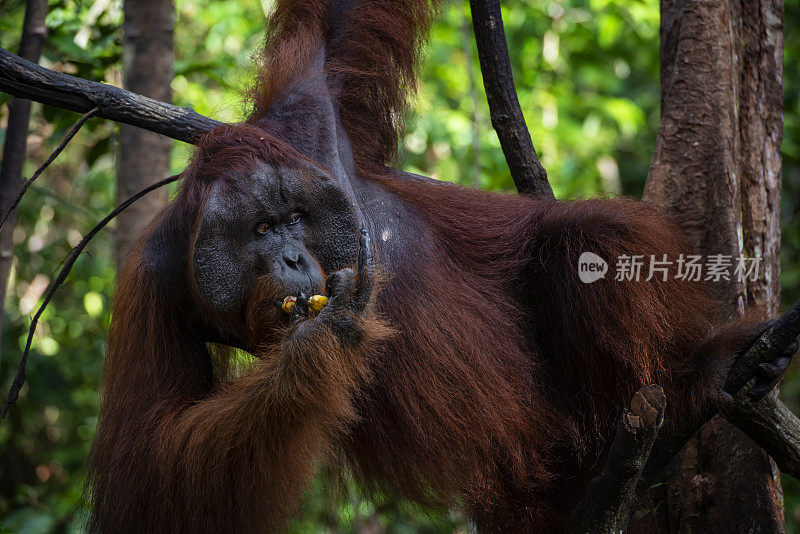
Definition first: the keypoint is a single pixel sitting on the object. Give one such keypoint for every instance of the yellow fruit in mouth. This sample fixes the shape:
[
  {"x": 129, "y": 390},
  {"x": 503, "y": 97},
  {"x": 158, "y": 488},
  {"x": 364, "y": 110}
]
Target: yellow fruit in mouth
[
  {"x": 317, "y": 302},
  {"x": 288, "y": 304}
]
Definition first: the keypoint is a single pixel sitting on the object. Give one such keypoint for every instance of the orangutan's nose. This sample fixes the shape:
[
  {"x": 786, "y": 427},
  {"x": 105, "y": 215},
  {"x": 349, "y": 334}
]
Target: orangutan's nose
[{"x": 293, "y": 259}]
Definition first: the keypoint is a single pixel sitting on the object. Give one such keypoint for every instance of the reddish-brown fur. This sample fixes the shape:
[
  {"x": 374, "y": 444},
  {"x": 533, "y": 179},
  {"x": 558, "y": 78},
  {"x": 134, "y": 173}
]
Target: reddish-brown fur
[
  {"x": 476, "y": 404},
  {"x": 375, "y": 58},
  {"x": 500, "y": 388}
]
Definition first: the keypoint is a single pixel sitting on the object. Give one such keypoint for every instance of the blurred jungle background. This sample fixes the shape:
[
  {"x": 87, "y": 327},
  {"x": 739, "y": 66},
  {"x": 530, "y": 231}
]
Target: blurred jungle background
[{"x": 587, "y": 73}]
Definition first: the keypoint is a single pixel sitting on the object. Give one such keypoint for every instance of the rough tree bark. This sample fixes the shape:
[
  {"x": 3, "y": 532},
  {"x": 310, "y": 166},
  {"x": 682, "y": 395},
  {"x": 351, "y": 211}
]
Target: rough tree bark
[
  {"x": 147, "y": 58},
  {"x": 717, "y": 168},
  {"x": 34, "y": 33},
  {"x": 24, "y": 79}
]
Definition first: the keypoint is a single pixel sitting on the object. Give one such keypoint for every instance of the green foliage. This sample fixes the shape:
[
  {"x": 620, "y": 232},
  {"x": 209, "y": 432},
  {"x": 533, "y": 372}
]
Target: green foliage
[{"x": 587, "y": 78}]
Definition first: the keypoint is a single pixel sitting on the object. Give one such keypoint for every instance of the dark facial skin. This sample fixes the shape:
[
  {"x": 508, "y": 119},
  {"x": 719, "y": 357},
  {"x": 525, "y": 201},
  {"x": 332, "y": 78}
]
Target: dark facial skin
[{"x": 291, "y": 225}]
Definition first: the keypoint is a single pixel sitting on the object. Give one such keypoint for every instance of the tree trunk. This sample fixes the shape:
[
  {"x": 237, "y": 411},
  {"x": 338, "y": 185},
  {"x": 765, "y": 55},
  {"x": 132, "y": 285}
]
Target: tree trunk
[
  {"x": 147, "y": 58},
  {"x": 34, "y": 33},
  {"x": 717, "y": 169}
]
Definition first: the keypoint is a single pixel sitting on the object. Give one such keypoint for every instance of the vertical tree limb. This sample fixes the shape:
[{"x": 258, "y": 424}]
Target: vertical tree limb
[
  {"x": 716, "y": 169},
  {"x": 507, "y": 119},
  {"x": 34, "y": 33},
  {"x": 147, "y": 59}
]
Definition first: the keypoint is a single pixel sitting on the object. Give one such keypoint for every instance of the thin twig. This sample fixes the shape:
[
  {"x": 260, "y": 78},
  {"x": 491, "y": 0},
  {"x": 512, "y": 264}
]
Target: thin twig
[
  {"x": 78, "y": 125},
  {"x": 72, "y": 257}
]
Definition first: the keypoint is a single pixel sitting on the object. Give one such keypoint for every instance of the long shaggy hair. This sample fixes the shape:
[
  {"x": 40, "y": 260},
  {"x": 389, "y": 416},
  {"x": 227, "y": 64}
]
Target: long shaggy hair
[
  {"x": 498, "y": 385},
  {"x": 371, "y": 56}
]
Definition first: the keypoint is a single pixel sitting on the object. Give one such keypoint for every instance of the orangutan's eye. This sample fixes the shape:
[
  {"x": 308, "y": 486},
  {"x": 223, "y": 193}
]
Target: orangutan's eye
[
  {"x": 262, "y": 228},
  {"x": 295, "y": 218}
]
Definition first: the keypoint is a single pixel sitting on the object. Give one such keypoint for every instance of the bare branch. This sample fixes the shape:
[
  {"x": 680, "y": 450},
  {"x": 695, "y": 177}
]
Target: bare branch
[
  {"x": 73, "y": 256},
  {"x": 611, "y": 497},
  {"x": 526, "y": 170},
  {"x": 78, "y": 125},
  {"x": 24, "y": 79}
]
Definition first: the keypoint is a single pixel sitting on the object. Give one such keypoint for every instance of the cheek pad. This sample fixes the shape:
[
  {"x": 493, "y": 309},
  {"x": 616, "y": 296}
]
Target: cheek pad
[
  {"x": 220, "y": 273},
  {"x": 332, "y": 235}
]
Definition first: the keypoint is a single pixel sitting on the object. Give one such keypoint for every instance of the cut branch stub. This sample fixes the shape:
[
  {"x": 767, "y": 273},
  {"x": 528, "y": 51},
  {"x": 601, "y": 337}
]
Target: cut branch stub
[
  {"x": 611, "y": 497},
  {"x": 28, "y": 80}
]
